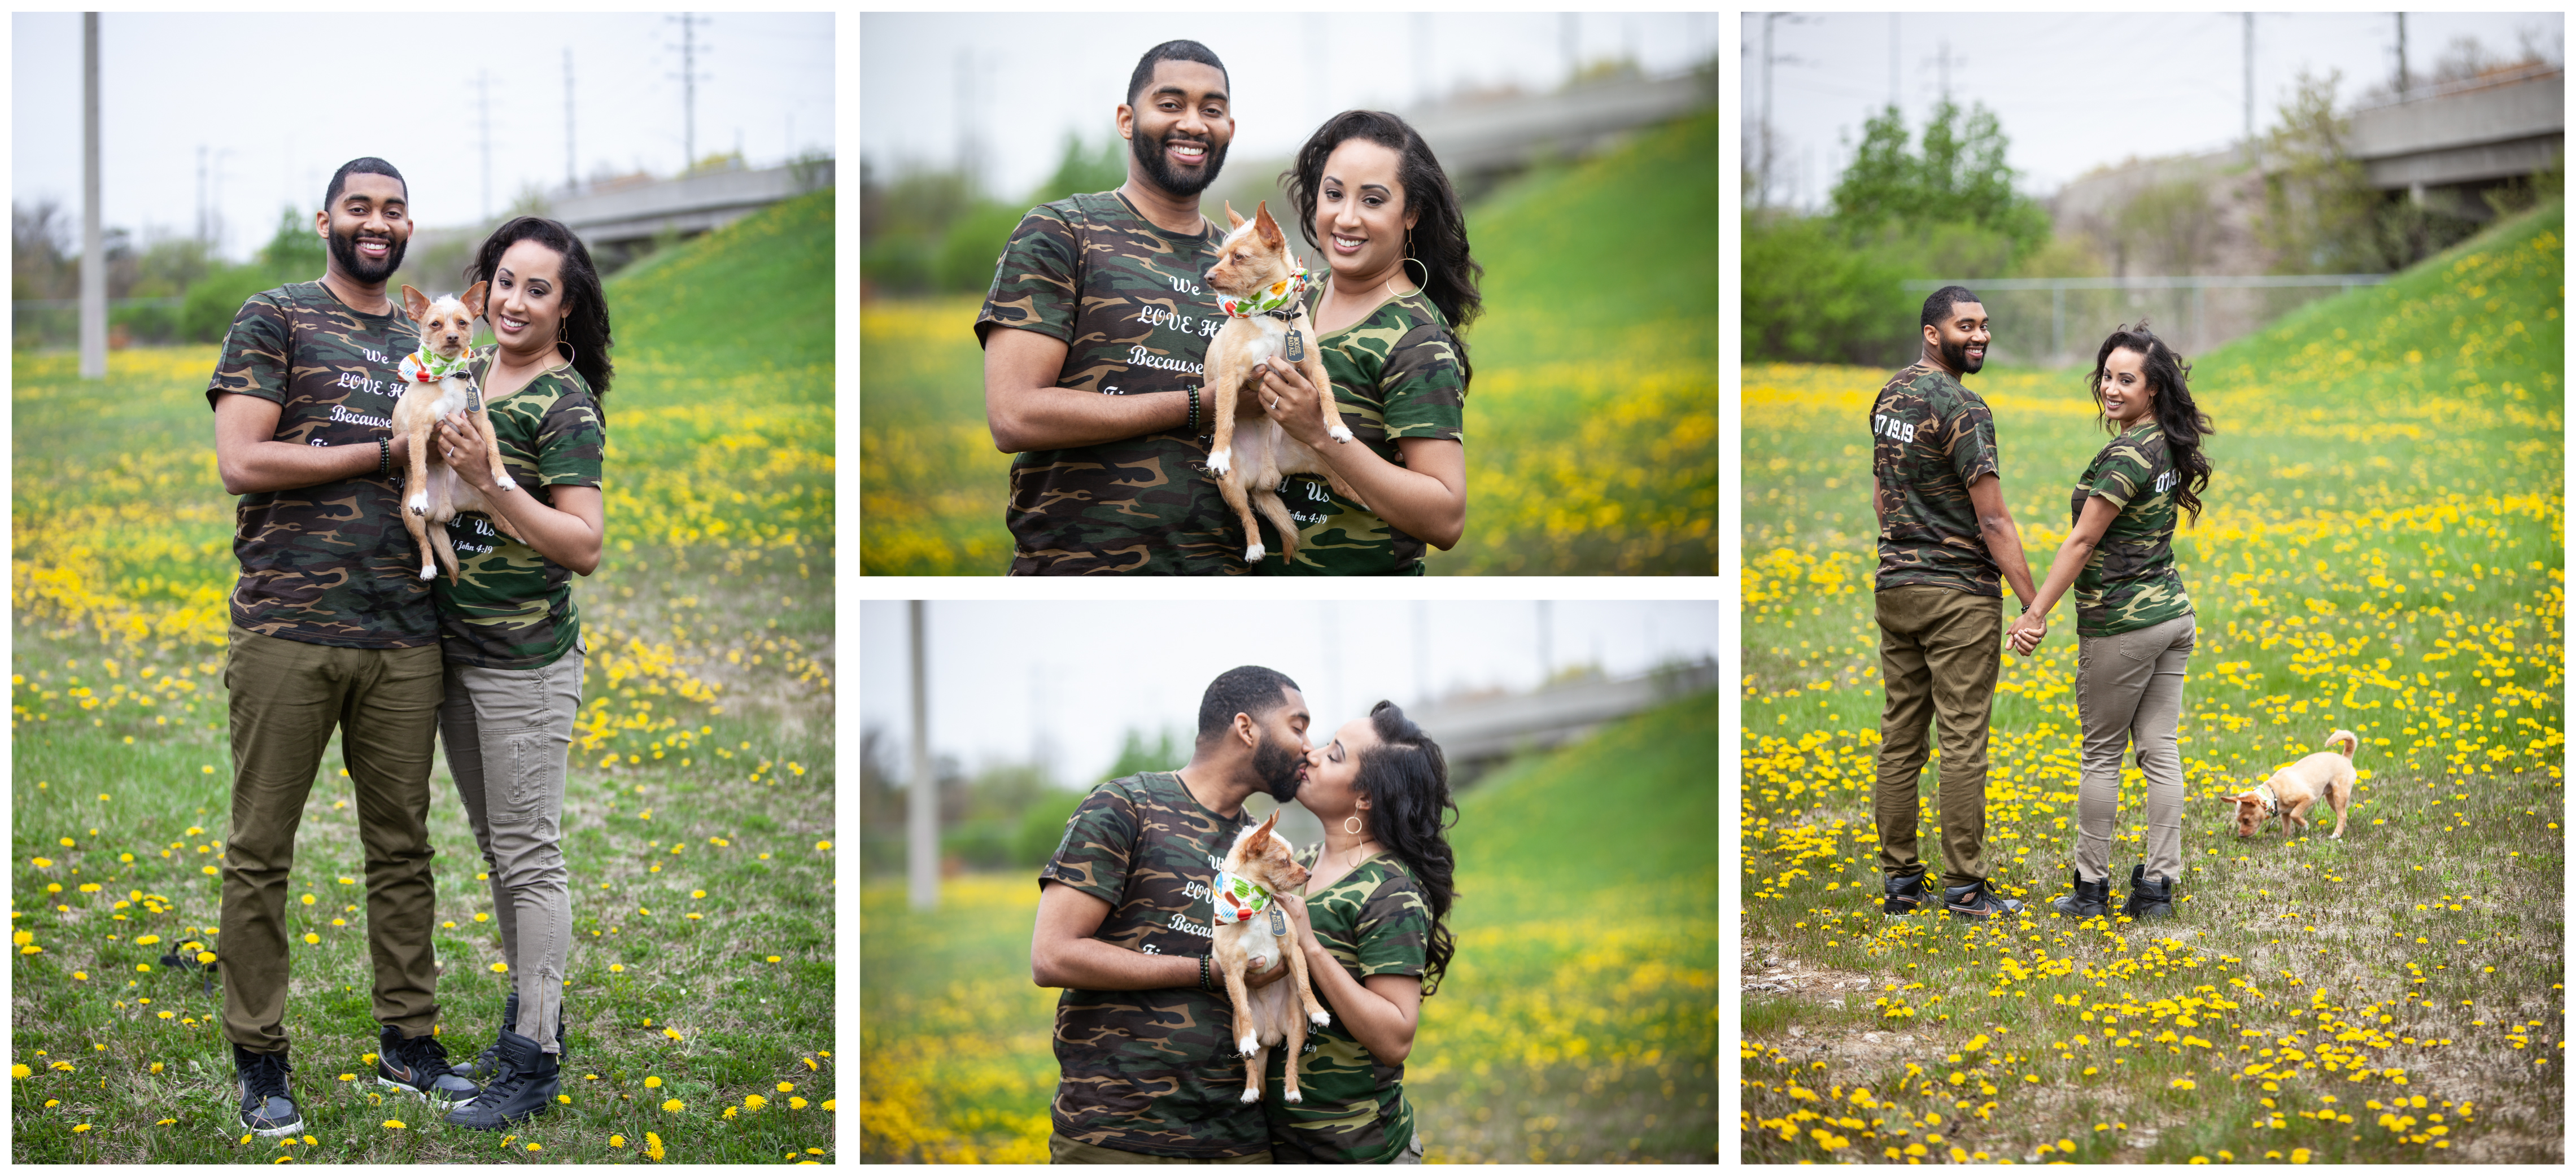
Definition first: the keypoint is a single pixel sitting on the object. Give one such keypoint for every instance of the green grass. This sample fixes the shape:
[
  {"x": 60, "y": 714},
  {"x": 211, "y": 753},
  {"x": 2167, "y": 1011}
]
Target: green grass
[
  {"x": 1591, "y": 423},
  {"x": 703, "y": 762},
  {"x": 1578, "y": 1022},
  {"x": 2382, "y": 552}
]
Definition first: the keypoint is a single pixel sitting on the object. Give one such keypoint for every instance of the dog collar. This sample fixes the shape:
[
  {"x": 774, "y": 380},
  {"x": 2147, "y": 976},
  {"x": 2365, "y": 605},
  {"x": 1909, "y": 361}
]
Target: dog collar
[
  {"x": 1275, "y": 300},
  {"x": 429, "y": 367},
  {"x": 2271, "y": 800},
  {"x": 1238, "y": 898}
]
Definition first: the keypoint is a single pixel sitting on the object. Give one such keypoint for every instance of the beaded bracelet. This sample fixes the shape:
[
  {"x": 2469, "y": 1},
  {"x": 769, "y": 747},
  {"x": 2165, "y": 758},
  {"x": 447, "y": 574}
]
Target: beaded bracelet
[
  {"x": 1194, "y": 419},
  {"x": 384, "y": 457},
  {"x": 1206, "y": 979}
]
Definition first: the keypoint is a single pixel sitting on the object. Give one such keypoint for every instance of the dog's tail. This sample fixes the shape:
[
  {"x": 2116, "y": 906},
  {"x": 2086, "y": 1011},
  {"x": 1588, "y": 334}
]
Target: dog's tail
[{"x": 2351, "y": 743}]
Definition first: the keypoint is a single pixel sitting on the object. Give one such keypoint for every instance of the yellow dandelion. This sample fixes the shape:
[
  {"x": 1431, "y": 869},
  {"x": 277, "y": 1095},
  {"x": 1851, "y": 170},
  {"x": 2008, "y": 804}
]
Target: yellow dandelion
[{"x": 674, "y": 1105}]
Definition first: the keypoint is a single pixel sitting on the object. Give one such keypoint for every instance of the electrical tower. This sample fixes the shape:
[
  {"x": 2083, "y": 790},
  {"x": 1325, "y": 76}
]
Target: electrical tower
[
  {"x": 483, "y": 98},
  {"x": 689, "y": 51},
  {"x": 569, "y": 181}
]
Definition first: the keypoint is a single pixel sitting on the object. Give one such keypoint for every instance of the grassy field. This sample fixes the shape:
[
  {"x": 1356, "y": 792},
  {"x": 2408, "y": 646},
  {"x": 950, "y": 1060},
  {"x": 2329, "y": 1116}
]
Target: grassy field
[
  {"x": 1592, "y": 443},
  {"x": 1578, "y": 1022},
  {"x": 697, "y": 822},
  {"x": 2381, "y": 553}
]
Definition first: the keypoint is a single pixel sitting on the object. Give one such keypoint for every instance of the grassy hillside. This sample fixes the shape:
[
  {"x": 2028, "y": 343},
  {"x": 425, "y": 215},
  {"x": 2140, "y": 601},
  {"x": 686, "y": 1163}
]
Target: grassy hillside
[
  {"x": 697, "y": 820},
  {"x": 2381, "y": 552},
  {"x": 1578, "y": 1021},
  {"x": 1591, "y": 424}
]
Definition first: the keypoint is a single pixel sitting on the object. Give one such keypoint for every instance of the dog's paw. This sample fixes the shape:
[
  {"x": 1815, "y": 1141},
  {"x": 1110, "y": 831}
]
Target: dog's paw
[
  {"x": 1320, "y": 1018},
  {"x": 419, "y": 503},
  {"x": 1248, "y": 1045},
  {"x": 429, "y": 572},
  {"x": 1341, "y": 433},
  {"x": 1254, "y": 553},
  {"x": 1251, "y": 1094},
  {"x": 503, "y": 481},
  {"x": 1219, "y": 461},
  {"x": 1294, "y": 1097}
]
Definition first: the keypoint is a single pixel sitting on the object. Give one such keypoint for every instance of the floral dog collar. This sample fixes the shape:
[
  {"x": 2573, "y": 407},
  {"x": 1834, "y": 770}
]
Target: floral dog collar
[
  {"x": 1238, "y": 898},
  {"x": 1277, "y": 296},
  {"x": 429, "y": 367}
]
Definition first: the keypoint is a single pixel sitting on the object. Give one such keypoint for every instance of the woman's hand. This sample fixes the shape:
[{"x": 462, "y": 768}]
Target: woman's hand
[
  {"x": 1299, "y": 927},
  {"x": 462, "y": 445},
  {"x": 1290, "y": 399},
  {"x": 2026, "y": 631}
]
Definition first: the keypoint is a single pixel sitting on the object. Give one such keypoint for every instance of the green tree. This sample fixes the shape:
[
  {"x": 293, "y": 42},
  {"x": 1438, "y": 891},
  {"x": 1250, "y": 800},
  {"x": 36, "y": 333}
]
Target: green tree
[{"x": 1960, "y": 176}]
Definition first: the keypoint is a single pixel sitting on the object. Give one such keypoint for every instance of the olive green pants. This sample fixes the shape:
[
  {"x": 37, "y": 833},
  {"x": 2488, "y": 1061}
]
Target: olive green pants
[
  {"x": 1061, "y": 1150},
  {"x": 286, "y": 698},
  {"x": 1938, "y": 651}
]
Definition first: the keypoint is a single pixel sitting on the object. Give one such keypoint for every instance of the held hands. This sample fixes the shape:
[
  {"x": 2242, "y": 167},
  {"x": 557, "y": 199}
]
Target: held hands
[
  {"x": 2026, "y": 631},
  {"x": 1290, "y": 399}
]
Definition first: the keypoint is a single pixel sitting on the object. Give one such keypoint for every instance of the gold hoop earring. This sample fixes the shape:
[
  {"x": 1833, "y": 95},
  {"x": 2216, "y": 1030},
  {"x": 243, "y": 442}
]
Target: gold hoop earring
[
  {"x": 1350, "y": 824},
  {"x": 560, "y": 342}
]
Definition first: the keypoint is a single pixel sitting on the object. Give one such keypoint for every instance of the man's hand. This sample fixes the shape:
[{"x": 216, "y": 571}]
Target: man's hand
[{"x": 1278, "y": 968}]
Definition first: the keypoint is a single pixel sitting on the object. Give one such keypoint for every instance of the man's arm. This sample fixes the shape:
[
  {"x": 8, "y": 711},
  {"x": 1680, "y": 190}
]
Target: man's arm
[
  {"x": 1063, "y": 954},
  {"x": 251, "y": 459},
  {"x": 2003, "y": 540},
  {"x": 1026, "y": 411}
]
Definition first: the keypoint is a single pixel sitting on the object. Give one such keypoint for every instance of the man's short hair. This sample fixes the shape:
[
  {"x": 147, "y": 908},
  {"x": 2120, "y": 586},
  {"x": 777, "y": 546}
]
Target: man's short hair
[
  {"x": 1937, "y": 307},
  {"x": 363, "y": 165},
  {"x": 1171, "y": 51},
  {"x": 1243, "y": 690}
]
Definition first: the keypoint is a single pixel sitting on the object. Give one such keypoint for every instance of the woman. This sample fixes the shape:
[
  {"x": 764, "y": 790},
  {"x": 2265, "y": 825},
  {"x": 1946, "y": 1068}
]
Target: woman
[
  {"x": 1370, "y": 195},
  {"x": 510, "y": 634},
  {"x": 1373, "y": 922},
  {"x": 2133, "y": 619}
]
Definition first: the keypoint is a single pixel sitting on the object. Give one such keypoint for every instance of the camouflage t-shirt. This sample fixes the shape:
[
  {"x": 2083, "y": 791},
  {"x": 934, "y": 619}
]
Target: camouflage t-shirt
[
  {"x": 511, "y": 608},
  {"x": 1352, "y": 1109},
  {"x": 2131, "y": 581},
  {"x": 1124, "y": 296},
  {"x": 1395, "y": 374},
  {"x": 1932, "y": 438},
  {"x": 1150, "y": 1071},
  {"x": 328, "y": 564}
]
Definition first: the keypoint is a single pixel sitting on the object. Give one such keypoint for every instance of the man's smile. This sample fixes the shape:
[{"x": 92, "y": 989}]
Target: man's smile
[{"x": 1185, "y": 152}]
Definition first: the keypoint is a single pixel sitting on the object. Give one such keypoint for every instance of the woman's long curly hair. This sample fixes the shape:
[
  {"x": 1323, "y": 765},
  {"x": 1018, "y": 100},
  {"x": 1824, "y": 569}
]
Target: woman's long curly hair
[
  {"x": 585, "y": 321},
  {"x": 1406, "y": 781},
  {"x": 2183, "y": 422},
  {"x": 1439, "y": 236}
]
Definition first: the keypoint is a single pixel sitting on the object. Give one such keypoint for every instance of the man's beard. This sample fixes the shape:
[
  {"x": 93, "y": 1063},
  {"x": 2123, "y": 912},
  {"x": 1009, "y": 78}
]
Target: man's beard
[
  {"x": 1276, "y": 766},
  {"x": 1148, "y": 151},
  {"x": 1956, "y": 355},
  {"x": 344, "y": 249}
]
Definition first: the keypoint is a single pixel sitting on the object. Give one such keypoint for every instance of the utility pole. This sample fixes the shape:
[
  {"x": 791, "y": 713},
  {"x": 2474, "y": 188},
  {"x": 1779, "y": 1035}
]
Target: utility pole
[
  {"x": 1895, "y": 97},
  {"x": 483, "y": 96},
  {"x": 2249, "y": 84},
  {"x": 2401, "y": 57},
  {"x": 1944, "y": 59},
  {"x": 569, "y": 180},
  {"x": 689, "y": 51},
  {"x": 201, "y": 193},
  {"x": 922, "y": 853},
  {"x": 93, "y": 271}
]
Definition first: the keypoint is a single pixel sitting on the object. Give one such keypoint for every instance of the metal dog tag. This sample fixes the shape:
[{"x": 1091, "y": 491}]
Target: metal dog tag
[
  {"x": 1296, "y": 346},
  {"x": 1278, "y": 921},
  {"x": 473, "y": 398}
]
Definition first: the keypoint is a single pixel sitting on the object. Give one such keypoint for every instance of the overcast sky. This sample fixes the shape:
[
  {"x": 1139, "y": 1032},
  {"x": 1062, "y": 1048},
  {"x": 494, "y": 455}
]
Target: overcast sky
[
  {"x": 1006, "y": 677},
  {"x": 2074, "y": 91},
  {"x": 1022, "y": 81},
  {"x": 283, "y": 101}
]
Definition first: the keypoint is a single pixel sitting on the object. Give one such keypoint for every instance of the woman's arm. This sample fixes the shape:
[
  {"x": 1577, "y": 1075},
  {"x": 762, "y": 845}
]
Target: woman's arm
[
  {"x": 571, "y": 532},
  {"x": 1381, "y": 1011},
  {"x": 1426, "y": 497},
  {"x": 2072, "y": 555}
]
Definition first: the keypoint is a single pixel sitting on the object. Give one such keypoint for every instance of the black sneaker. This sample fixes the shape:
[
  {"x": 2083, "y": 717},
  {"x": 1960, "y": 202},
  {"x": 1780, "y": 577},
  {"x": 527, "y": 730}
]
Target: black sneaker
[
  {"x": 266, "y": 1107},
  {"x": 1905, "y": 894},
  {"x": 523, "y": 1088},
  {"x": 2091, "y": 900},
  {"x": 487, "y": 1063},
  {"x": 2149, "y": 898},
  {"x": 419, "y": 1065},
  {"x": 1972, "y": 901}
]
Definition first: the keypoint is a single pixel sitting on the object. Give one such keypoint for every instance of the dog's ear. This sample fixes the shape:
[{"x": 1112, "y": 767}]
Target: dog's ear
[
  {"x": 1266, "y": 228},
  {"x": 473, "y": 298},
  {"x": 415, "y": 304},
  {"x": 1267, "y": 824},
  {"x": 1234, "y": 220}
]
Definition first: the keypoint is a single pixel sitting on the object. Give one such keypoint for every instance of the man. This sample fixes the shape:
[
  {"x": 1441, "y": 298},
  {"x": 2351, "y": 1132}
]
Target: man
[
  {"x": 1144, "y": 1032},
  {"x": 332, "y": 627},
  {"x": 1944, "y": 535},
  {"x": 1096, "y": 387}
]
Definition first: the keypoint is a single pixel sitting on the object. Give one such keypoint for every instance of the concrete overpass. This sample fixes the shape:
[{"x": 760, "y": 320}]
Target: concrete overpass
[
  {"x": 1477, "y": 734},
  {"x": 620, "y": 218},
  {"x": 1479, "y": 138},
  {"x": 2464, "y": 134}
]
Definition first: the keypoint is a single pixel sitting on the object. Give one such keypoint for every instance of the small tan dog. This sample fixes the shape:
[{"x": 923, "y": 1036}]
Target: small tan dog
[
  {"x": 1251, "y": 933},
  {"x": 436, "y": 385},
  {"x": 1261, "y": 288},
  {"x": 2292, "y": 791}
]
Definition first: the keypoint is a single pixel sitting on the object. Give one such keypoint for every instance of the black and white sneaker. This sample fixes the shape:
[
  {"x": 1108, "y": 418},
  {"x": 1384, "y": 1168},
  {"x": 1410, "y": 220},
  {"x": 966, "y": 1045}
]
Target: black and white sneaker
[
  {"x": 419, "y": 1065},
  {"x": 266, "y": 1107},
  {"x": 1974, "y": 901}
]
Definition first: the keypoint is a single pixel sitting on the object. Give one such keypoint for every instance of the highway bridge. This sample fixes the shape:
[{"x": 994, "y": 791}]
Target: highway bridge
[{"x": 2464, "y": 134}]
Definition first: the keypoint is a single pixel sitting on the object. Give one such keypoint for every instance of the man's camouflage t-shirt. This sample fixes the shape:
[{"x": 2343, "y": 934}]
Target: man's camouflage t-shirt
[
  {"x": 1932, "y": 438},
  {"x": 1352, "y": 1109},
  {"x": 1150, "y": 1071},
  {"x": 1126, "y": 299},
  {"x": 1395, "y": 374},
  {"x": 328, "y": 564},
  {"x": 511, "y": 608},
  {"x": 2131, "y": 581}
]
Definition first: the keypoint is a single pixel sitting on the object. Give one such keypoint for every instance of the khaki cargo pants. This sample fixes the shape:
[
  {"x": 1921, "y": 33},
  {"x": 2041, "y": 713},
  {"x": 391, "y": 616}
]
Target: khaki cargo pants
[
  {"x": 287, "y": 697},
  {"x": 2128, "y": 687},
  {"x": 508, "y": 733},
  {"x": 1938, "y": 652}
]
